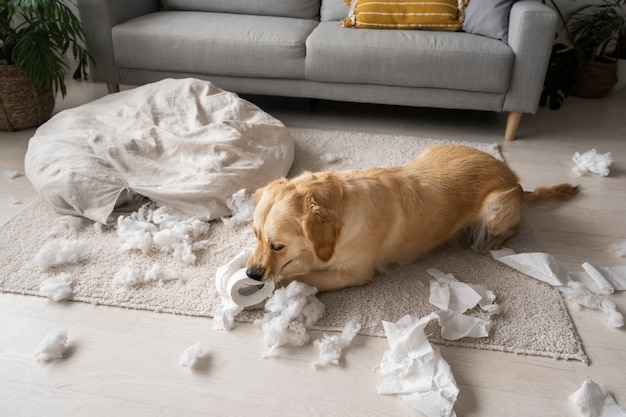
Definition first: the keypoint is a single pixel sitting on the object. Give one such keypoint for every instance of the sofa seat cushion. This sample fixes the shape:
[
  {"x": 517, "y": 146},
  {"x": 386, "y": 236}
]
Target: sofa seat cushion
[
  {"x": 450, "y": 60},
  {"x": 214, "y": 43}
]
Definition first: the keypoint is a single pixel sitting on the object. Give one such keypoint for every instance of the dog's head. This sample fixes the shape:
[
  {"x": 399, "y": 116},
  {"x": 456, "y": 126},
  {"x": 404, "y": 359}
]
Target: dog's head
[{"x": 297, "y": 224}]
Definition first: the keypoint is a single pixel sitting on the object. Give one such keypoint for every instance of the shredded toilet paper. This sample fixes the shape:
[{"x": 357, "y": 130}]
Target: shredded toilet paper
[
  {"x": 580, "y": 296},
  {"x": 289, "y": 313},
  {"x": 454, "y": 298},
  {"x": 594, "y": 400},
  {"x": 331, "y": 347},
  {"x": 52, "y": 346},
  {"x": 592, "y": 161},
  {"x": 415, "y": 370},
  {"x": 539, "y": 265}
]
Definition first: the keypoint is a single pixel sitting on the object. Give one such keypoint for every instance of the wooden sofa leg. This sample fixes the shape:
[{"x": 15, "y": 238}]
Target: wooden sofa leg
[
  {"x": 113, "y": 88},
  {"x": 512, "y": 123}
]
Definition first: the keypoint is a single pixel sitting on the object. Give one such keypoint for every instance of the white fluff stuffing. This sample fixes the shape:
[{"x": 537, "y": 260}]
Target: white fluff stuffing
[
  {"x": 331, "y": 347},
  {"x": 11, "y": 173},
  {"x": 190, "y": 356},
  {"x": 580, "y": 295},
  {"x": 289, "y": 313},
  {"x": 154, "y": 228},
  {"x": 331, "y": 158},
  {"x": 619, "y": 248},
  {"x": 14, "y": 200},
  {"x": 592, "y": 161},
  {"x": 60, "y": 251},
  {"x": 242, "y": 205},
  {"x": 129, "y": 277},
  {"x": 58, "y": 288},
  {"x": 52, "y": 346}
]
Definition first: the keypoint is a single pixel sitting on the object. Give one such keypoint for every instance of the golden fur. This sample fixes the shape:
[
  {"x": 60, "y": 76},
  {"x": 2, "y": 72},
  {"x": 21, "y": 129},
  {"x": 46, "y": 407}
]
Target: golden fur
[{"x": 336, "y": 229}]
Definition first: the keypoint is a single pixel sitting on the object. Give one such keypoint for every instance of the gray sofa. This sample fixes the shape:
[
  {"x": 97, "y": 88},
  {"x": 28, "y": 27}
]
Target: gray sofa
[{"x": 297, "y": 48}]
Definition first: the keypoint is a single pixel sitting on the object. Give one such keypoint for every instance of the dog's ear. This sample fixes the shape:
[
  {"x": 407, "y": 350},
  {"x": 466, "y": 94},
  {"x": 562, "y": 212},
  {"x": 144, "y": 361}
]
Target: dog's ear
[{"x": 322, "y": 215}]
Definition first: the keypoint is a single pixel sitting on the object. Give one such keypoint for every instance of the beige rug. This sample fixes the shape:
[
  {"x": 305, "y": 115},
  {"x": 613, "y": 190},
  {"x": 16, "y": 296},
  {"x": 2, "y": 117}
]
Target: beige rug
[{"x": 533, "y": 318}]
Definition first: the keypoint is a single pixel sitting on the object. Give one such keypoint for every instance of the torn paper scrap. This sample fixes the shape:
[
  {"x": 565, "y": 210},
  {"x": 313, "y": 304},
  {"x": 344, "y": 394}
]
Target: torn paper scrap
[
  {"x": 455, "y": 326},
  {"x": 454, "y": 298},
  {"x": 225, "y": 313},
  {"x": 619, "y": 248},
  {"x": 191, "y": 355},
  {"x": 60, "y": 251},
  {"x": 580, "y": 295},
  {"x": 289, "y": 313},
  {"x": 415, "y": 370},
  {"x": 616, "y": 275},
  {"x": 331, "y": 347},
  {"x": 539, "y": 265},
  {"x": 58, "y": 288},
  {"x": 592, "y": 161},
  {"x": 605, "y": 286},
  {"x": 594, "y": 400},
  {"x": 52, "y": 346}
]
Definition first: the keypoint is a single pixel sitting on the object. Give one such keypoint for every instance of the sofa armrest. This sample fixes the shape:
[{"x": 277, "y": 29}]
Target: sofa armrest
[
  {"x": 532, "y": 29},
  {"x": 98, "y": 18}
]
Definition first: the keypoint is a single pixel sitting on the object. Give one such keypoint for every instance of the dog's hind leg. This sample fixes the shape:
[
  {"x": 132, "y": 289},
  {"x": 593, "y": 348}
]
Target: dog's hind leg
[{"x": 499, "y": 219}]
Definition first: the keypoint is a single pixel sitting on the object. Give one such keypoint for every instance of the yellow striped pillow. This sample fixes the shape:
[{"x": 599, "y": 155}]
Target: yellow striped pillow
[{"x": 406, "y": 14}]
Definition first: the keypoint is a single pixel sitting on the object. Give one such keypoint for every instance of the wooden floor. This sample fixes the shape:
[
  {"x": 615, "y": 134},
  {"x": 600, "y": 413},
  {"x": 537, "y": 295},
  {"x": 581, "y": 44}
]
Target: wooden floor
[{"x": 125, "y": 362}]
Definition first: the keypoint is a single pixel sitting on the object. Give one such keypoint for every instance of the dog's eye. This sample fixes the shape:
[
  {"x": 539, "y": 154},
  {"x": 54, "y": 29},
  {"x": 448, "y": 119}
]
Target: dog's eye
[{"x": 276, "y": 247}]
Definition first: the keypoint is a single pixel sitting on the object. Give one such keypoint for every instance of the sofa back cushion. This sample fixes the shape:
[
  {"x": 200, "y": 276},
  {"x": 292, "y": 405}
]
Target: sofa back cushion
[
  {"x": 333, "y": 10},
  {"x": 303, "y": 9}
]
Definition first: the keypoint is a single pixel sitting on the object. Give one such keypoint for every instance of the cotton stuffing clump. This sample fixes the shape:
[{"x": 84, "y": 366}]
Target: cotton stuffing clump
[
  {"x": 60, "y": 251},
  {"x": 154, "y": 228},
  {"x": 191, "y": 355},
  {"x": 331, "y": 347},
  {"x": 58, "y": 288},
  {"x": 52, "y": 346},
  {"x": 289, "y": 313},
  {"x": 241, "y": 205}
]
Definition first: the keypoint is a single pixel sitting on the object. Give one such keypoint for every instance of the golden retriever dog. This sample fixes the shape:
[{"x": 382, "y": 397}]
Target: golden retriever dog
[{"x": 334, "y": 229}]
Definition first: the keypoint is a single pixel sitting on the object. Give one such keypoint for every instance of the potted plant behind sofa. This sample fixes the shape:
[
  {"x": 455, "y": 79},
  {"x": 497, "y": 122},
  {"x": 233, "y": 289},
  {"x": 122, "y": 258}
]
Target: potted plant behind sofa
[
  {"x": 35, "y": 35},
  {"x": 594, "y": 29}
]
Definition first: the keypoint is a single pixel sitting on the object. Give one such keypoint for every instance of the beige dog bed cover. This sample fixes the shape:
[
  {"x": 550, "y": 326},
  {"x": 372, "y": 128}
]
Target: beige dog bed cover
[{"x": 184, "y": 144}]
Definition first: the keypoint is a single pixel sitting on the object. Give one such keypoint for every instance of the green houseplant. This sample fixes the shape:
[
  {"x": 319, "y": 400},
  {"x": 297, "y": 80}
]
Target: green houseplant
[
  {"x": 35, "y": 35},
  {"x": 593, "y": 30},
  {"x": 586, "y": 30}
]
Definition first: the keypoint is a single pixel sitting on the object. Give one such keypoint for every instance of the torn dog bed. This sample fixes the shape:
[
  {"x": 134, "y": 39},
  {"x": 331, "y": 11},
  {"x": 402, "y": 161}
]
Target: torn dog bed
[{"x": 184, "y": 144}]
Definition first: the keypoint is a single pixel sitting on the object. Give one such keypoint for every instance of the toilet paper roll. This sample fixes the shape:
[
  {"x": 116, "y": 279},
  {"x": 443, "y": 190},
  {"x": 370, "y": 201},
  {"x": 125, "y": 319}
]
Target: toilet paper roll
[
  {"x": 232, "y": 282},
  {"x": 247, "y": 292},
  {"x": 605, "y": 286}
]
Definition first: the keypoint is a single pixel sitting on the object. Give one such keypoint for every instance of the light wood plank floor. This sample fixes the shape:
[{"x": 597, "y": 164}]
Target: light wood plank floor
[{"x": 125, "y": 362}]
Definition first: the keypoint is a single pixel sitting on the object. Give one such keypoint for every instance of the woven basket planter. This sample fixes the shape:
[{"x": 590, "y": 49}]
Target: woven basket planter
[{"x": 22, "y": 105}]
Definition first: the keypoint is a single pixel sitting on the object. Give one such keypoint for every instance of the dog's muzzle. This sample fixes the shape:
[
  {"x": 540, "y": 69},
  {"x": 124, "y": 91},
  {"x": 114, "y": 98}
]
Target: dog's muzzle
[{"x": 255, "y": 273}]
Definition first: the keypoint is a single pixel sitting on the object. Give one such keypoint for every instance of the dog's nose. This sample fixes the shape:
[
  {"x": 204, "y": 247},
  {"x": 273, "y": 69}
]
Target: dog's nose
[{"x": 255, "y": 273}]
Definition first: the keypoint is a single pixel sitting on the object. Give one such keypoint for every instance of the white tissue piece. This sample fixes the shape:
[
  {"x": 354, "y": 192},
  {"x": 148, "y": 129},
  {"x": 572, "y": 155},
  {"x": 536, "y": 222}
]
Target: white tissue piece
[
  {"x": 289, "y": 313},
  {"x": 605, "y": 286},
  {"x": 414, "y": 369},
  {"x": 52, "y": 346},
  {"x": 538, "y": 265},
  {"x": 241, "y": 205},
  {"x": 60, "y": 251},
  {"x": 619, "y": 248},
  {"x": 150, "y": 229},
  {"x": 58, "y": 288},
  {"x": 190, "y": 356},
  {"x": 594, "y": 400},
  {"x": 616, "y": 275},
  {"x": 225, "y": 313},
  {"x": 592, "y": 161},
  {"x": 331, "y": 347},
  {"x": 454, "y": 298},
  {"x": 580, "y": 295}
]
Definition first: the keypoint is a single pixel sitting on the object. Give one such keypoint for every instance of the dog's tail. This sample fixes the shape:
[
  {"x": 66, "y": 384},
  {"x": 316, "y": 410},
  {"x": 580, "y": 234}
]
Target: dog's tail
[{"x": 559, "y": 192}]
